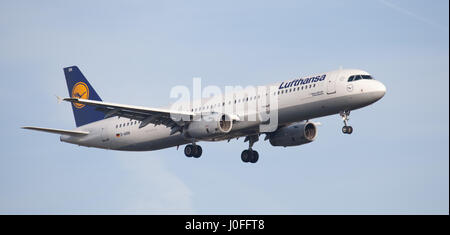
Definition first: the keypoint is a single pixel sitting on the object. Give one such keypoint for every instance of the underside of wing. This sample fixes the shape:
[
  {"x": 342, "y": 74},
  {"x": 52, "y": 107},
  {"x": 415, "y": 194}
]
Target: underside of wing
[
  {"x": 57, "y": 131},
  {"x": 169, "y": 118}
]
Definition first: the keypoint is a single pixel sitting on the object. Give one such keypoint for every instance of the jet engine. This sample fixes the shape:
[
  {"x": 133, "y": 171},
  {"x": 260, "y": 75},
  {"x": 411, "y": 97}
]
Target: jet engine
[
  {"x": 209, "y": 126},
  {"x": 294, "y": 135}
]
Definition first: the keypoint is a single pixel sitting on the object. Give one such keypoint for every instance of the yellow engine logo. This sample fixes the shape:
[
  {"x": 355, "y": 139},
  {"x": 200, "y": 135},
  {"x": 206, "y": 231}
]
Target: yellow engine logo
[{"x": 80, "y": 91}]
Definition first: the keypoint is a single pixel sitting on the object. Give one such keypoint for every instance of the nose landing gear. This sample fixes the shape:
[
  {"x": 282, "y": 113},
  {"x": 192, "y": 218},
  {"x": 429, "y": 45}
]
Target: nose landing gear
[{"x": 346, "y": 129}]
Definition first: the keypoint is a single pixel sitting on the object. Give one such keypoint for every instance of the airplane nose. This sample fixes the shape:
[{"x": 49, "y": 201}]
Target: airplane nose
[
  {"x": 382, "y": 89},
  {"x": 379, "y": 90}
]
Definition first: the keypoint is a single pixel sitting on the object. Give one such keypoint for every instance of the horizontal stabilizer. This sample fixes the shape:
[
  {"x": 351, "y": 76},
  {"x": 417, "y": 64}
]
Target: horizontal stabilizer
[{"x": 56, "y": 131}]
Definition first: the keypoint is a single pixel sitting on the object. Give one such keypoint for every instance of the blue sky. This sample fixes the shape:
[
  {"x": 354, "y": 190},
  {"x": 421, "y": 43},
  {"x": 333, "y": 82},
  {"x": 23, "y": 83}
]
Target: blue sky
[{"x": 134, "y": 52}]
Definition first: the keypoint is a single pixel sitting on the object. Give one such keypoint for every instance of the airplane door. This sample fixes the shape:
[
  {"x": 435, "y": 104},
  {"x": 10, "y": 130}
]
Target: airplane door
[
  {"x": 331, "y": 83},
  {"x": 104, "y": 136}
]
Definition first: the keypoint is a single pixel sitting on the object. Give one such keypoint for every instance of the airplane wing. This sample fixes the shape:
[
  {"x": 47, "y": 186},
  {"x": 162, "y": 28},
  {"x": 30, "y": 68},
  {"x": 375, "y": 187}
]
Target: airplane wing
[
  {"x": 169, "y": 118},
  {"x": 56, "y": 131}
]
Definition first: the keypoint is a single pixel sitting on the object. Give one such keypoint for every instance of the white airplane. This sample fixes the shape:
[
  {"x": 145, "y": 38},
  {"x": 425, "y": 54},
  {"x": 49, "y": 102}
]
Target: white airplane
[{"x": 125, "y": 127}]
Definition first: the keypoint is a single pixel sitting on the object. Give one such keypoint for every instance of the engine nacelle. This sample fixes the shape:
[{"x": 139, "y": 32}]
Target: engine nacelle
[
  {"x": 294, "y": 135},
  {"x": 209, "y": 126}
]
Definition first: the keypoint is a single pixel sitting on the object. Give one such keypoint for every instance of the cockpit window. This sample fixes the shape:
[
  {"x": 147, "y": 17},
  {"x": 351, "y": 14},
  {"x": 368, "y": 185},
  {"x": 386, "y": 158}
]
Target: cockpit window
[{"x": 359, "y": 77}]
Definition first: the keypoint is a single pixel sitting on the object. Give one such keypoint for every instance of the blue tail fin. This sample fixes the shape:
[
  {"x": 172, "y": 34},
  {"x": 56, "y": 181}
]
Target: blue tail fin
[{"x": 79, "y": 87}]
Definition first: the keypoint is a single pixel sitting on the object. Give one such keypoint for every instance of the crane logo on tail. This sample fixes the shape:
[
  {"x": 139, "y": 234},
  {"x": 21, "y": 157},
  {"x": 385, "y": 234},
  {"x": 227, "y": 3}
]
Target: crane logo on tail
[{"x": 80, "y": 91}]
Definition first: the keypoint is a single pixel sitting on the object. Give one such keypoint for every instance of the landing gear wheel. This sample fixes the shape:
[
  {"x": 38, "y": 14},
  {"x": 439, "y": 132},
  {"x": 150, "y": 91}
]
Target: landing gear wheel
[
  {"x": 245, "y": 156},
  {"x": 249, "y": 156},
  {"x": 255, "y": 157},
  {"x": 347, "y": 130},
  {"x": 197, "y": 151},
  {"x": 189, "y": 150}
]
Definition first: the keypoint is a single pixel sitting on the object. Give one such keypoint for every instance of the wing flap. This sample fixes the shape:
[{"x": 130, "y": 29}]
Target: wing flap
[{"x": 56, "y": 131}]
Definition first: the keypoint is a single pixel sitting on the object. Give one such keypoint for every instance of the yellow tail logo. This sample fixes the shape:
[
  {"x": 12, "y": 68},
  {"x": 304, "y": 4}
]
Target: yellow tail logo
[{"x": 80, "y": 91}]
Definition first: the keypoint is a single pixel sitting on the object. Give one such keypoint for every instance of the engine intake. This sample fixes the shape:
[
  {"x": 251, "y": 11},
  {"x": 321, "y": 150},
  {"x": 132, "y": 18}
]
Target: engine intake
[
  {"x": 210, "y": 126},
  {"x": 294, "y": 135}
]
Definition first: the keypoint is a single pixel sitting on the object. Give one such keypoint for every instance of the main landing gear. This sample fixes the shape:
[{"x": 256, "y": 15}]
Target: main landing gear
[
  {"x": 346, "y": 129},
  {"x": 249, "y": 155},
  {"x": 193, "y": 150}
]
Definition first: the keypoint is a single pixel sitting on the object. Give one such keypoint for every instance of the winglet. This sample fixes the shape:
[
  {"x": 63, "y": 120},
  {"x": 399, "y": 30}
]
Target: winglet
[{"x": 59, "y": 99}]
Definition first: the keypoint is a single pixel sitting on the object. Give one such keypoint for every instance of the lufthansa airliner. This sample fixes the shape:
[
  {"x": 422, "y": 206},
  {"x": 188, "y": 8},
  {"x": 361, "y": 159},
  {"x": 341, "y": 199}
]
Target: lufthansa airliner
[{"x": 282, "y": 112}]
